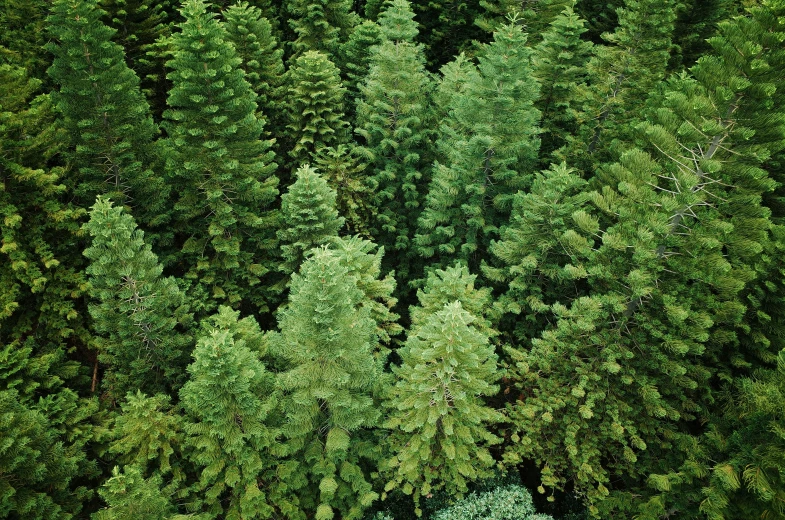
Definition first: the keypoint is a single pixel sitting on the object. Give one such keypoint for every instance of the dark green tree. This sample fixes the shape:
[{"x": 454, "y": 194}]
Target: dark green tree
[
  {"x": 326, "y": 346},
  {"x": 447, "y": 28},
  {"x": 439, "y": 423},
  {"x": 559, "y": 63},
  {"x": 345, "y": 171},
  {"x": 104, "y": 112},
  {"x": 533, "y": 15},
  {"x": 220, "y": 169},
  {"x": 23, "y": 37},
  {"x": 320, "y": 25},
  {"x": 354, "y": 59},
  {"x": 228, "y": 397},
  {"x": 129, "y": 496},
  {"x": 315, "y": 109},
  {"x": 489, "y": 144},
  {"x": 308, "y": 217},
  {"x": 141, "y": 317},
  {"x": 394, "y": 117}
]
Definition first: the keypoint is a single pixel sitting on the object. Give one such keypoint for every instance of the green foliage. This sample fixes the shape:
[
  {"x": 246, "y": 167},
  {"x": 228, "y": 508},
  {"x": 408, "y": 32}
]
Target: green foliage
[
  {"x": 316, "y": 107},
  {"x": 355, "y": 58},
  {"x": 393, "y": 117},
  {"x": 533, "y": 15},
  {"x": 344, "y": 170},
  {"x": 490, "y": 144},
  {"x": 309, "y": 217},
  {"x": 559, "y": 64},
  {"x": 262, "y": 60},
  {"x": 22, "y": 38},
  {"x": 447, "y": 28},
  {"x": 502, "y": 503},
  {"x": 104, "y": 112},
  {"x": 320, "y": 25},
  {"x": 227, "y": 397},
  {"x": 326, "y": 343},
  {"x": 220, "y": 169},
  {"x": 130, "y": 496},
  {"x": 439, "y": 423},
  {"x": 137, "y": 311}
]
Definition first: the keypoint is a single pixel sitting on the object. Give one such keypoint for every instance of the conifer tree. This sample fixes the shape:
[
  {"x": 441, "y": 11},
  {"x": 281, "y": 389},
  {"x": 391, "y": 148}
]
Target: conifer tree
[
  {"x": 559, "y": 63},
  {"x": 345, "y": 171},
  {"x": 220, "y": 169},
  {"x": 137, "y": 311},
  {"x": 130, "y": 496},
  {"x": 308, "y": 216},
  {"x": 621, "y": 75},
  {"x": 262, "y": 60},
  {"x": 320, "y": 25},
  {"x": 439, "y": 423},
  {"x": 23, "y": 36},
  {"x": 354, "y": 59},
  {"x": 104, "y": 112},
  {"x": 228, "y": 397},
  {"x": 447, "y": 28},
  {"x": 326, "y": 346},
  {"x": 393, "y": 118},
  {"x": 534, "y": 15},
  {"x": 490, "y": 146},
  {"x": 315, "y": 107}
]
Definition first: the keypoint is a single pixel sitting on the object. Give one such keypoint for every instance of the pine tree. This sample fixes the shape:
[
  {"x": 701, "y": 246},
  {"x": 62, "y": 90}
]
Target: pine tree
[
  {"x": 621, "y": 75},
  {"x": 559, "y": 63},
  {"x": 219, "y": 168},
  {"x": 439, "y": 423},
  {"x": 139, "y": 313},
  {"x": 393, "y": 117},
  {"x": 320, "y": 25},
  {"x": 228, "y": 397},
  {"x": 447, "y": 28},
  {"x": 130, "y": 496},
  {"x": 533, "y": 15},
  {"x": 345, "y": 171},
  {"x": 308, "y": 216},
  {"x": 354, "y": 59},
  {"x": 329, "y": 381},
  {"x": 262, "y": 60},
  {"x": 490, "y": 146},
  {"x": 315, "y": 107},
  {"x": 23, "y": 37},
  {"x": 104, "y": 112},
  {"x": 697, "y": 22}
]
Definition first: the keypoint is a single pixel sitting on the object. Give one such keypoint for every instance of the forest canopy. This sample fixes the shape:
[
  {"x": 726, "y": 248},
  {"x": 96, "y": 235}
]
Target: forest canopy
[{"x": 390, "y": 260}]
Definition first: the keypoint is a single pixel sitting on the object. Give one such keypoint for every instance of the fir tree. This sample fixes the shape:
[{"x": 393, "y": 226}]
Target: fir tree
[
  {"x": 218, "y": 166},
  {"x": 308, "y": 216},
  {"x": 228, "y": 396},
  {"x": 490, "y": 145},
  {"x": 355, "y": 56},
  {"x": 262, "y": 60},
  {"x": 320, "y": 25},
  {"x": 439, "y": 424},
  {"x": 326, "y": 345},
  {"x": 559, "y": 64},
  {"x": 104, "y": 111},
  {"x": 315, "y": 108},
  {"x": 137, "y": 311},
  {"x": 393, "y": 116},
  {"x": 345, "y": 171},
  {"x": 130, "y": 496}
]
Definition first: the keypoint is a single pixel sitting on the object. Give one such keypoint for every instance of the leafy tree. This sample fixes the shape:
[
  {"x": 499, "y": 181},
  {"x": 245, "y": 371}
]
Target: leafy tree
[
  {"x": 503, "y": 503},
  {"x": 228, "y": 396},
  {"x": 315, "y": 108},
  {"x": 320, "y": 25},
  {"x": 139, "y": 313},
  {"x": 308, "y": 216},
  {"x": 439, "y": 423},
  {"x": 621, "y": 75},
  {"x": 220, "y": 170},
  {"x": 329, "y": 379},
  {"x": 104, "y": 112},
  {"x": 559, "y": 63},
  {"x": 262, "y": 60},
  {"x": 490, "y": 145},
  {"x": 393, "y": 117}
]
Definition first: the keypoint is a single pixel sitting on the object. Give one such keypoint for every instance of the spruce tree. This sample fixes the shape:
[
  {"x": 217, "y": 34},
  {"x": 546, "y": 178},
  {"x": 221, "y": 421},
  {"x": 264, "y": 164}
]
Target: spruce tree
[
  {"x": 315, "y": 108},
  {"x": 262, "y": 60},
  {"x": 439, "y": 423},
  {"x": 490, "y": 147},
  {"x": 559, "y": 63},
  {"x": 104, "y": 112},
  {"x": 220, "y": 169},
  {"x": 320, "y": 25},
  {"x": 393, "y": 117},
  {"x": 308, "y": 217},
  {"x": 325, "y": 346},
  {"x": 139, "y": 314},
  {"x": 228, "y": 397}
]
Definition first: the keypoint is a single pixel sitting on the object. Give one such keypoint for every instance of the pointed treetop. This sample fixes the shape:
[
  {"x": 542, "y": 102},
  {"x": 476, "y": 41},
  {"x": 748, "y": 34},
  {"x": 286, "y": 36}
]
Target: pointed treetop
[{"x": 397, "y": 21}]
